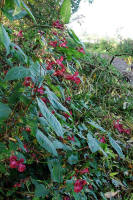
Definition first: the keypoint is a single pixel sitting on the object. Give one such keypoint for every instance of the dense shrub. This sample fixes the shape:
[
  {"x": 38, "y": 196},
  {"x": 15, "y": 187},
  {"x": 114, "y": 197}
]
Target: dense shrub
[{"x": 63, "y": 127}]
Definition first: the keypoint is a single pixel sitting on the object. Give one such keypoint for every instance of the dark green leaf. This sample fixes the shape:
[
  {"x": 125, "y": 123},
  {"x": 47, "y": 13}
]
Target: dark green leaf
[
  {"x": 116, "y": 147},
  {"x": 4, "y": 38},
  {"x": 65, "y": 11},
  {"x": 56, "y": 170},
  {"x": 92, "y": 143},
  {"x": 4, "y": 111},
  {"x": 46, "y": 143},
  {"x": 51, "y": 119},
  {"x": 17, "y": 73},
  {"x": 73, "y": 159},
  {"x": 28, "y": 10},
  {"x": 95, "y": 125}
]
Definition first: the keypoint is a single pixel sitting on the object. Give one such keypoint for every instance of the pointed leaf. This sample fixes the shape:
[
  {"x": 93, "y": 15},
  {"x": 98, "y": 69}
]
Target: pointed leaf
[
  {"x": 46, "y": 143},
  {"x": 4, "y": 111},
  {"x": 17, "y": 73},
  {"x": 28, "y": 10},
  {"x": 4, "y": 38},
  {"x": 51, "y": 119},
  {"x": 116, "y": 147},
  {"x": 65, "y": 11}
]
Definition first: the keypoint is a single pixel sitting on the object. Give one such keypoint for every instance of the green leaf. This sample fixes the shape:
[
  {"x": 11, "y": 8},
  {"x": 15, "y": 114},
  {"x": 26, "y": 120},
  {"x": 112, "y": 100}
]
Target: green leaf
[
  {"x": 65, "y": 11},
  {"x": 73, "y": 159},
  {"x": 55, "y": 101},
  {"x": 4, "y": 111},
  {"x": 51, "y": 119},
  {"x": 46, "y": 143},
  {"x": 17, "y": 73},
  {"x": 92, "y": 143},
  {"x": 116, "y": 147},
  {"x": 40, "y": 190},
  {"x": 95, "y": 125},
  {"x": 4, "y": 38},
  {"x": 2, "y": 147},
  {"x": 28, "y": 11},
  {"x": 56, "y": 170}
]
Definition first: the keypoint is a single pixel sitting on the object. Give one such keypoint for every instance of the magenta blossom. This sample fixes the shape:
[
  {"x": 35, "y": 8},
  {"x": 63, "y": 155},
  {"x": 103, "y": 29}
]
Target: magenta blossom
[
  {"x": 53, "y": 43},
  {"x": 20, "y": 34},
  {"x": 21, "y": 167},
  {"x": 68, "y": 98},
  {"x": 57, "y": 24},
  {"x": 71, "y": 138},
  {"x": 63, "y": 44},
  {"x": 84, "y": 171},
  {"x": 102, "y": 140},
  {"x": 120, "y": 128},
  {"x": 81, "y": 50},
  {"x": 78, "y": 185}
]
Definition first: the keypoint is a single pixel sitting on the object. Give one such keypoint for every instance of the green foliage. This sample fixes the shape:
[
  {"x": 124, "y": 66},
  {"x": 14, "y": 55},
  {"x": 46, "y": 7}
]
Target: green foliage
[
  {"x": 4, "y": 111},
  {"x": 57, "y": 126},
  {"x": 65, "y": 11}
]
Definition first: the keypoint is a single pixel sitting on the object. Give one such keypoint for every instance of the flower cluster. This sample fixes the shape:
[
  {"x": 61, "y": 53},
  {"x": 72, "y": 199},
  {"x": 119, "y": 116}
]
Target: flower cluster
[
  {"x": 81, "y": 50},
  {"x": 14, "y": 163},
  {"x": 22, "y": 181},
  {"x": 102, "y": 140},
  {"x": 73, "y": 77},
  {"x": 57, "y": 25},
  {"x": 20, "y": 34},
  {"x": 79, "y": 184},
  {"x": 120, "y": 128}
]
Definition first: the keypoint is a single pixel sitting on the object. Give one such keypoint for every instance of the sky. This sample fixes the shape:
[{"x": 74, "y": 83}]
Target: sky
[{"x": 104, "y": 18}]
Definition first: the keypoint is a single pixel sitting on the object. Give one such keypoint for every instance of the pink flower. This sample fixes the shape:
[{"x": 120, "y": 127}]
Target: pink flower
[
  {"x": 39, "y": 90},
  {"x": 21, "y": 167},
  {"x": 53, "y": 43},
  {"x": 20, "y": 34},
  {"x": 63, "y": 44},
  {"x": 12, "y": 158},
  {"x": 66, "y": 115},
  {"x": 13, "y": 164},
  {"x": 53, "y": 112},
  {"x": 28, "y": 129},
  {"x": 27, "y": 81},
  {"x": 83, "y": 171},
  {"x": 72, "y": 77},
  {"x": 102, "y": 140},
  {"x": 71, "y": 138},
  {"x": 81, "y": 50},
  {"x": 120, "y": 128},
  {"x": 68, "y": 98},
  {"x": 57, "y": 24},
  {"x": 78, "y": 185},
  {"x": 45, "y": 100},
  {"x": 17, "y": 185}
]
